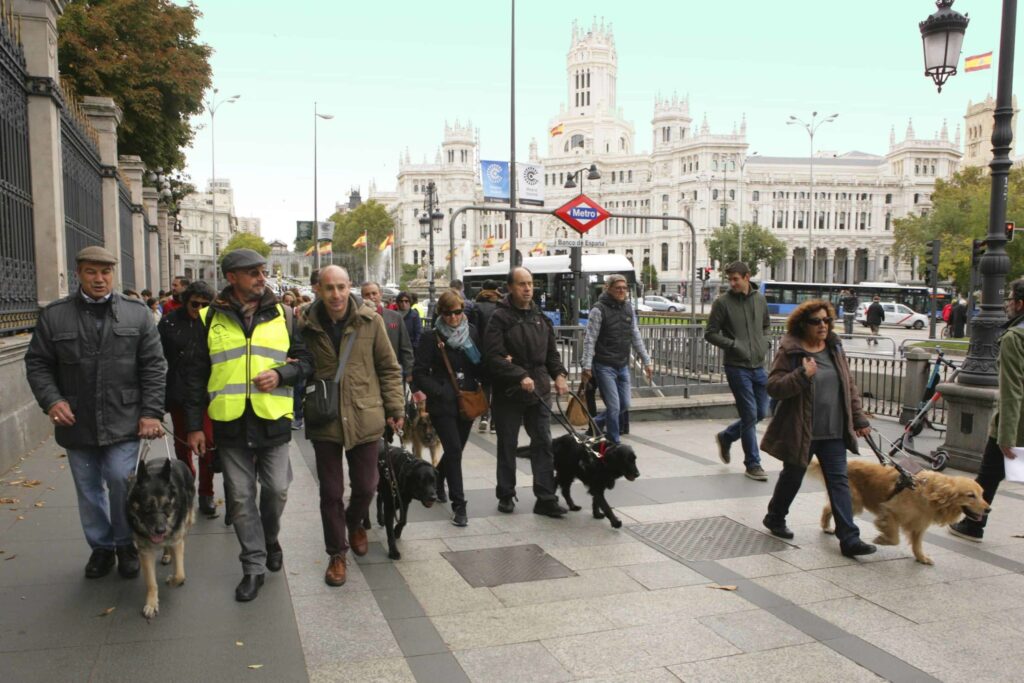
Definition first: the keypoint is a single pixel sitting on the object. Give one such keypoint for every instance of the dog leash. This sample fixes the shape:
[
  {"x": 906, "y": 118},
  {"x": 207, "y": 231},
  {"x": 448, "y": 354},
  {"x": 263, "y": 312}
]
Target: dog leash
[{"x": 144, "y": 446}]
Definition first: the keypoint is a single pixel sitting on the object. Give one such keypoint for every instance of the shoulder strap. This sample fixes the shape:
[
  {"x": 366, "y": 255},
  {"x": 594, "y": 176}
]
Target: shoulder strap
[
  {"x": 343, "y": 359},
  {"x": 447, "y": 364}
]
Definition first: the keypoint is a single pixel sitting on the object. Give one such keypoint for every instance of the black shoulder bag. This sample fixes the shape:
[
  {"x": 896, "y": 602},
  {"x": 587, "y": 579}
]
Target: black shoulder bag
[{"x": 322, "y": 395}]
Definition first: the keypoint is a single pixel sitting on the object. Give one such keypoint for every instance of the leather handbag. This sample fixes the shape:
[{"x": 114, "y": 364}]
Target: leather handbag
[
  {"x": 472, "y": 404},
  {"x": 321, "y": 401},
  {"x": 577, "y": 414}
]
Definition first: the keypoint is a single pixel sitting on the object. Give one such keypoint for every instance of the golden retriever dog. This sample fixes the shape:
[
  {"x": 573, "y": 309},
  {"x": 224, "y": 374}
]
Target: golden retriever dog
[
  {"x": 420, "y": 433},
  {"x": 936, "y": 498}
]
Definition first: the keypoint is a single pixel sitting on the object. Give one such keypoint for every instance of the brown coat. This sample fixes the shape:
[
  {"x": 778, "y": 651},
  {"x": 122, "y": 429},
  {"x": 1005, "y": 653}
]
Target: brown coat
[
  {"x": 789, "y": 433},
  {"x": 371, "y": 388}
]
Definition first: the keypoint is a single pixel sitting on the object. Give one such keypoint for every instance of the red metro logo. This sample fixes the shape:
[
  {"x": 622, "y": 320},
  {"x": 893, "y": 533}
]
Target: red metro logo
[{"x": 581, "y": 213}]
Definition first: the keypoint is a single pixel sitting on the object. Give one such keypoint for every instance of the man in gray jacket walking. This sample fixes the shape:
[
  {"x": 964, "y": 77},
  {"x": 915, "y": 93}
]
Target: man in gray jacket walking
[
  {"x": 738, "y": 324},
  {"x": 96, "y": 367}
]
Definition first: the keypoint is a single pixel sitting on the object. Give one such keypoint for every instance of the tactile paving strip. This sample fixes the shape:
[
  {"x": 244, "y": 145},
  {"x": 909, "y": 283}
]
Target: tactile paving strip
[
  {"x": 709, "y": 538},
  {"x": 489, "y": 567}
]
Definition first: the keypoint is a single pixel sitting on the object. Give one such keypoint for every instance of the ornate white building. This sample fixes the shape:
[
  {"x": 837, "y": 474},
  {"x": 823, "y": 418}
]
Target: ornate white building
[
  {"x": 198, "y": 213},
  {"x": 707, "y": 177}
]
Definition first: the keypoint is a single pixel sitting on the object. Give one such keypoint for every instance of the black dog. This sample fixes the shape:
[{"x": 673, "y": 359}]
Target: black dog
[
  {"x": 403, "y": 478},
  {"x": 160, "y": 514},
  {"x": 598, "y": 471}
]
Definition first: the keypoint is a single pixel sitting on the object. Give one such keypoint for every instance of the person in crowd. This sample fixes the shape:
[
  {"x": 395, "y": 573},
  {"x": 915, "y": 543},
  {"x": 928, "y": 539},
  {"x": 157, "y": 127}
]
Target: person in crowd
[
  {"x": 291, "y": 299},
  {"x": 338, "y": 329},
  {"x": 738, "y": 324},
  {"x": 412, "y": 318},
  {"x": 958, "y": 318},
  {"x": 288, "y": 299},
  {"x": 849, "y": 302},
  {"x": 306, "y": 301},
  {"x": 454, "y": 336},
  {"x": 612, "y": 330},
  {"x": 95, "y": 367},
  {"x": 1006, "y": 429},
  {"x": 242, "y": 376},
  {"x": 459, "y": 288},
  {"x": 131, "y": 293},
  {"x": 875, "y": 316},
  {"x": 818, "y": 415},
  {"x": 398, "y": 333},
  {"x": 181, "y": 334},
  {"x": 486, "y": 303},
  {"x": 178, "y": 286},
  {"x": 153, "y": 309},
  {"x": 522, "y": 360},
  {"x": 420, "y": 308}
]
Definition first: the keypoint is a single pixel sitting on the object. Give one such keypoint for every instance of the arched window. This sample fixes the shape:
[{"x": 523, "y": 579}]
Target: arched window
[
  {"x": 664, "y": 256},
  {"x": 576, "y": 141}
]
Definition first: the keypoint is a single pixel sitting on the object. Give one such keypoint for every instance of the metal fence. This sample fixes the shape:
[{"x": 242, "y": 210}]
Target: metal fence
[
  {"x": 881, "y": 382},
  {"x": 124, "y": 220},
  {"x": 83, "y": 189}
]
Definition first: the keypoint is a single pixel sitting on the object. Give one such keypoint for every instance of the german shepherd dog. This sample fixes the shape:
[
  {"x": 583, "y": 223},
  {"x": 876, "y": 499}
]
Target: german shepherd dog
[
  {"x": 160, "y": 513},
  {"x": 420, "y": 432},
  {"x": 403, "y": 479},
  {"x": 596, "y": 469}
]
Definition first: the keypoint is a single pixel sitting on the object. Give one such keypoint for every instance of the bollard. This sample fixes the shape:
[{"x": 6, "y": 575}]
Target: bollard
[{"x": 915, "y": 378}]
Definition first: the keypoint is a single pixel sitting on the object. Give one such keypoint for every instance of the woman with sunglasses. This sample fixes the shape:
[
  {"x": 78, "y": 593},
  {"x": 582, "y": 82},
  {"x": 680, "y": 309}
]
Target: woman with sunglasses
[
  {"x": 454, "y": 336},
  {"x": 818, "y": 413}
]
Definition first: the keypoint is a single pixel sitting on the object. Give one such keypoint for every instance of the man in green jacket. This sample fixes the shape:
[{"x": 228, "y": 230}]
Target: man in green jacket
[
  {"x": 1006, "y": 430},
  {"x": 738, "y": 324}
]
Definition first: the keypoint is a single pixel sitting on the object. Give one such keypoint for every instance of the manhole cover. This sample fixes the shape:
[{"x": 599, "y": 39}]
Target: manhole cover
[
  {"x": 489, "y": 567},
  {"x": 709, "y": 538}
]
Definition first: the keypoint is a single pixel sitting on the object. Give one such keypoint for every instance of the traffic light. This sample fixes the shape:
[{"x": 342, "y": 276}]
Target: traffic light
[
  {"x": 1009, "y": 231},
  {"x": 977, "y": 251},
  {"x": 698, "y": 273},
  {"x": 707, "y": 273},
  {"x": 931, "y": 252}
]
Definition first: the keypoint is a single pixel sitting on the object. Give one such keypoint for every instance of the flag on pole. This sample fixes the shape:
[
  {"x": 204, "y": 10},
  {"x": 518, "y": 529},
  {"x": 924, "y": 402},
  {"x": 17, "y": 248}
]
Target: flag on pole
[
  {"x": 489, "y": 243},
  {"x": 539, "y": 248},
  {"x": 309, "y": 251},
  {"x": 504, "y": 246},
  {"x": 388, "y": 241},
  {"x": 557, "y": 130},
  {"x": 978, "y": 62},
  {"x": 326, "y": 248},
  {"x": 476, "y": 253},
  {"x": 361, "y": 242}
]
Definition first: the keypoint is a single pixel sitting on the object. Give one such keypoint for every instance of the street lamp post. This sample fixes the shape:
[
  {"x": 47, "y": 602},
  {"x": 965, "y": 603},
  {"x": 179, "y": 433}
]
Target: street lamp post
[
  {"x": 316, "y": 221},
  {"x": 212, "y": 104},
  {"x": 431, "y": 221},
  {"x": 576, "y": 253},
  {"x": 811, "y": 128},
  {"x": 739, "y": 232}
]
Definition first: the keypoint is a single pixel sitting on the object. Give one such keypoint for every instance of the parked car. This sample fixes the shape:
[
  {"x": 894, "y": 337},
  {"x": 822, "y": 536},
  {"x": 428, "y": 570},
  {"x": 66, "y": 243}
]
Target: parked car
[
  {"x": 641, "y": 307},
  {"x": 896, "y": 315},
  {"x": 660, "y": 303}
]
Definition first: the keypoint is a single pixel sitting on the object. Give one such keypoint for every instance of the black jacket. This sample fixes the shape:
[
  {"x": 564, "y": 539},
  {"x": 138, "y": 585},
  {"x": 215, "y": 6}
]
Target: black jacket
[
  {"x": 249, "y": 431},
  {"x": 875, "y": 314},
  {"x": 180, "y": 335},
  {"x": 528, "y": 337},
  {"x": 398, "y": 335},
  {"x": 849, "y": 304},
  {"x": 110, "y": 377},
  {"x": 431, "y": 375},
  {"x": 615, "y": 340}
]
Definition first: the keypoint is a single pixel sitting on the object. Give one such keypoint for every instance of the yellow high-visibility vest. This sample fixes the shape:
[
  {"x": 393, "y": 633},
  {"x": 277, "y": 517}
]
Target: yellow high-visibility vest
[{"x": 235, "y": 360}]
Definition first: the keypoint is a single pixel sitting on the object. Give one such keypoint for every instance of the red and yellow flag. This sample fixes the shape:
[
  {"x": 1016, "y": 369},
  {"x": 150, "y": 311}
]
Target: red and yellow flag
[
  {"x": 489, "y": 243},
  {"x": 539, "y": 248},
  {"x": 326, "y": 248},
  {"x": 557, "y": 130},
  {"x": 361, "y": 242},
  {"x": 309, "y": 252},
  {"x": 504, "y": 246},
  {"x": 388, "y": 241},
  {"x": 978, "y": 62}
]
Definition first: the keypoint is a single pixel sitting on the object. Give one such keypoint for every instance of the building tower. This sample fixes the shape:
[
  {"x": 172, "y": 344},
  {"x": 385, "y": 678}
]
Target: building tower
[
  {"x": 978, "y": 123},
  {"x": 671, "y": 123},
  {"x": 457, "y": 150}
]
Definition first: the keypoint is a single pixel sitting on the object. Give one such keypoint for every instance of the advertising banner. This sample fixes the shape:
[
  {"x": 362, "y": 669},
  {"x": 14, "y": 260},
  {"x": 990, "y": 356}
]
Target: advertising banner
[
  {"x": 494, "y": 177},
  {"x": 530, "y": 184}
]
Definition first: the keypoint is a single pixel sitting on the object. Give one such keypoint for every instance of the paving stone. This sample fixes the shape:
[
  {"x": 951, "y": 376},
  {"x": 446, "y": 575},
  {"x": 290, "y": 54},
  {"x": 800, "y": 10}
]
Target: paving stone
[
  {"x": 755, "y": 566},
  {"x": 755, "y": 630},
  {"x": 801, "y": 588},
  {"x": 664, "y": 574},
  {"x": 857, "y": 615},
  {"x": 52, "y": 664},
  {"x": 652, "y": 607},
  {"x": 619, "y": 554},
  {"x": 512, "y": 664},
  {"x": 327, "y": 627},
  {"x": 589, "y": 583},
  {"x": 810, "y": 663},
  {"x": 440, "y": 589},
  {"x": 660, "y": 675},
  {"x": 518, "y": 624},
  {"x": 387, "y": 670},
  {"x": 814, "y": 557},
  {"x": 27, "y": 620},
  {"x": 923, "y": 604},
  {"x": 415, "y": 531}
]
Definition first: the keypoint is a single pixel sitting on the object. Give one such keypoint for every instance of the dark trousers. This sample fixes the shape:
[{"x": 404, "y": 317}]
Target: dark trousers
[
  {"x": 182, "y": 452},
  {"x": 507, "y": 416},
  {"x": 330, "y": 469},
  {"x": 990, "y": 475},
  {"x": 453, "y": 433},
  {"x": 831, "y": 455},
  {"x": 298, "y": 407},
  {"x": 848, "y": 318}
]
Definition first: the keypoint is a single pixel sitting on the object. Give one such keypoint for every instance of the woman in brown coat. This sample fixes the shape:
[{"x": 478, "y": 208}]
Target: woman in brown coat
[{"x": 818, "y": 413}]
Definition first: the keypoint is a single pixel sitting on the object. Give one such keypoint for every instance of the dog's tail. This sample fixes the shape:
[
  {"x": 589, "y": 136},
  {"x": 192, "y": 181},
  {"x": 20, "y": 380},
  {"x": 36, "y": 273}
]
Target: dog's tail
[{"x": 814, "y": 469}]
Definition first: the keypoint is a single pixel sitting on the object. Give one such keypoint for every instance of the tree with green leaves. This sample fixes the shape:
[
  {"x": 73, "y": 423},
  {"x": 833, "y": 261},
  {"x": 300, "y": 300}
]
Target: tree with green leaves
[
  {"x": 959, "y": 215},
  {"x": 649, "y": 276},
  {"x": 759, "y": 245},
  {"x": 245, "y": 240},
  {"x": 370, "y": 216},
  {"x": 144, "y": 54}
]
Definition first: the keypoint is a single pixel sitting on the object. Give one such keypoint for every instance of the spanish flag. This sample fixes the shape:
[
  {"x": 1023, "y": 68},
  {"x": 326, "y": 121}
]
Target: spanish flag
[
  {"x": 557, "y": 130},
  {"x": 326, "y": 248},
  {"x": 476, "y": 253},
  {"x": 388, "y": 241},
  {"x": 361, "y": 242},
  {"x": 978, "y": 62},
  {"x": 539, "y": 248},
  {"x": 504, "y": 246},
  {"x": 309, "y": 252},
  {"x": 489, "y": 243}
]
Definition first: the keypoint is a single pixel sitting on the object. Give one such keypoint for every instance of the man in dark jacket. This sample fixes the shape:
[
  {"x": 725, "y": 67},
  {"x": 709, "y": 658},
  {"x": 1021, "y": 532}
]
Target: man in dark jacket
[
  {"x": 738, "y": 324},
  {"x": 96, "y": 368},
  {"x": 874, "y": 316},
  {"x": 243, "y": 372},
  {"x": 849, "y": 303},
  {"x": 522, "y": 359},
  {"x": 486, "y": 303},
  {"x": 398, "y": 335}
]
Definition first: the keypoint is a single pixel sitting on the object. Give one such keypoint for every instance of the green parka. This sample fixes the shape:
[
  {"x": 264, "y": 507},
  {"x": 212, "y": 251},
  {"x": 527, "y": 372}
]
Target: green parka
[{"x": 1007, "y": 426}]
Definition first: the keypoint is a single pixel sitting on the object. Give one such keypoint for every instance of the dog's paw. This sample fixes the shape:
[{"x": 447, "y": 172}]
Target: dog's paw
[
  {"x": 395, "y": 555},
  {"x": 175, "y": 581},
  {"x": 150, "y": 610},
  {"x": 166, "y": 557},
  {"x": 828, "y": 530},
  {"x": 882, "y": 540},
  {"x": 575, "y": 508},
  {"x": 924, "y": 559},
  {"x": 616, "y": 523}
]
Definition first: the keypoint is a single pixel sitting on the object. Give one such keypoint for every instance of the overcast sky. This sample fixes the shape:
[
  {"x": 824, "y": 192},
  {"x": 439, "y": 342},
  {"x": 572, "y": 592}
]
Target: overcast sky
[{"x": 392, "y": 73}]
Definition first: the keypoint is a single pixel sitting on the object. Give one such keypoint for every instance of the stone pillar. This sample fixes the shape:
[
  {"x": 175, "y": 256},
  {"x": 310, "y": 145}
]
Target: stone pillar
[
  {"x": 148, "y": 239},
  {"x": 105, "y": 117},
  {"x": 915, "y": 378},
  {"x": 829, "y": 275},
  {"x": 132, "y": 169},
  {"x": 968, "y": 411},
  {"x": 38, "y": 20},
  {"x": 161, "y": 280},
  {"x": 872, "y": 267},
  {"x": 851, "y": 260}
]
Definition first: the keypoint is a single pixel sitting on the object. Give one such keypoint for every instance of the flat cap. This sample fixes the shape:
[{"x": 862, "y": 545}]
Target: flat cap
[
  {"x": 241, "y": 258},
  {"x": 95, "y": 255}
]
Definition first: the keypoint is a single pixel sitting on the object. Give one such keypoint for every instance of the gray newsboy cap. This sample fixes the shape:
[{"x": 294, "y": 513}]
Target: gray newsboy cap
[
  {"x": 95, "y": 255},
  {"x": 241, "y": 258}
]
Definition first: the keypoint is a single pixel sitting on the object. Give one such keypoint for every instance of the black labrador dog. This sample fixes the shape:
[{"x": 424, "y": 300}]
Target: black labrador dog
[
  {"x": 403, "y": 479},
  {"x": 597, "y": 464}
]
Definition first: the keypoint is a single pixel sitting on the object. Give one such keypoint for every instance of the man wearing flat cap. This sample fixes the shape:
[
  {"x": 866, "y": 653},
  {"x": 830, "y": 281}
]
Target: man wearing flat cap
[
  {"x": 96, "y": 367},
  {"x": 244, "y": 370}
]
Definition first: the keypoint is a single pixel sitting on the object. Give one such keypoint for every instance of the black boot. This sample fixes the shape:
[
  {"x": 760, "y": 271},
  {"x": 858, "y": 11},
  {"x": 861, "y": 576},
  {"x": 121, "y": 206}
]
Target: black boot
[
  {"x": 249, "y": 588},
  {"x": 549, "y": 508},
  {"x": 127, "y": 561},
  {"x": 275, "y": 557},
  {"x": 100, "y": 563},
  {"x": 778, "y": 528},
  {"x": 442, "y": 497}
]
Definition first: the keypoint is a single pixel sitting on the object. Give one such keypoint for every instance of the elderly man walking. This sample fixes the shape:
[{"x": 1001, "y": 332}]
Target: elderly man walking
[
  {"x": 242, "y": 374},
  {"x": 96, "y": 367}
]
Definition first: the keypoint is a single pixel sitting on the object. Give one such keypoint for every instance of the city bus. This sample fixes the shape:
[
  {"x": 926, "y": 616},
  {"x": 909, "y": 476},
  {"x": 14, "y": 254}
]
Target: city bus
[
  {"x": 553, "y": 284},
  {"x": 783, "y": 297}
]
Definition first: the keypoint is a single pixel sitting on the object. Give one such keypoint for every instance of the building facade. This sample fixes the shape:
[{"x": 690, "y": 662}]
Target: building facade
[{"x": 205, "y": 219}]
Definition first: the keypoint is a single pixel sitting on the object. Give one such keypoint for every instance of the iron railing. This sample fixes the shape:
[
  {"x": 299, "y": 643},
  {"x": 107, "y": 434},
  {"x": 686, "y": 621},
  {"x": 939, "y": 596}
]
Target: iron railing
[
  {"x": 881, "y": 384},
  {"x": 124, "y": 219},
  {"x": 83, "y": 192}
]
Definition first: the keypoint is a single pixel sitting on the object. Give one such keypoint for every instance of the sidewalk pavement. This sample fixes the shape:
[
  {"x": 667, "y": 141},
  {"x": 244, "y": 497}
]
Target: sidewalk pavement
[{"x": 629, "y": 611}]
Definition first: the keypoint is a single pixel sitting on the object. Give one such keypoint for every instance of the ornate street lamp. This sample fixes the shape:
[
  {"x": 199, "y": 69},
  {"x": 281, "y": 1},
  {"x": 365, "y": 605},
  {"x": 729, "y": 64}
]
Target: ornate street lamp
[
  {"x": 811, "y": 127},
  {"x": 942, "y": 34},
  {"x": 431, "y": 221}
]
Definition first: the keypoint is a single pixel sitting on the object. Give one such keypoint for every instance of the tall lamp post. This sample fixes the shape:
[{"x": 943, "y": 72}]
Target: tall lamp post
[
  {"x": 811, "y": 128},
  {"x": 316, "y": 221},
  {"x": 739, "y": 232},
  {"x": 213, "y": 105},
  {"x": 576, "y": 253},
  {"x": 431, "y": 221}
]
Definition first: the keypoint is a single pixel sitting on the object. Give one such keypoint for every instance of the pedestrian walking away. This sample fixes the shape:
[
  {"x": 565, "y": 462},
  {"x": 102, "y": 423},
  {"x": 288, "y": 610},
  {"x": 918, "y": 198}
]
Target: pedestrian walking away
[
  {"x": 342, "y": 333},
  {"x": 178, "y": 286},
  {"x": 486, "y": 303},
  {"x": 1006, "y": 429},
  {"x": 244, "y": 370},
  {"x": 818, "y": 414},
  {"x": 522, "y": 360},
  {"x": 411, "y": 316},
  {"x": 612, "y": 331},
  {"x": 875, "y": 316},
  {"x": 849, "y": 303},
  {"x": 96, "y": 368},
  {"x": 398, "y": 336},
  {"x": 738, "y": 324}
]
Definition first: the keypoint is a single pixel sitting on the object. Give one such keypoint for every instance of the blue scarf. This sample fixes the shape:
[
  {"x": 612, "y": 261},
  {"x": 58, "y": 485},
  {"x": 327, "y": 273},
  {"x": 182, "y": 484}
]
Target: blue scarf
[{"x": 458, "y": 338}]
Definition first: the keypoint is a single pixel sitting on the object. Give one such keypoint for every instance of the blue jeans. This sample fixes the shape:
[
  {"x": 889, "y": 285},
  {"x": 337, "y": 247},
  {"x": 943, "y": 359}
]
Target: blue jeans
[
  {"x": 101, "y": 482},
  {"x": 831, "y": 455},
  {"x": 749, "y": 387},
  {"x": 614, "y": 386}
]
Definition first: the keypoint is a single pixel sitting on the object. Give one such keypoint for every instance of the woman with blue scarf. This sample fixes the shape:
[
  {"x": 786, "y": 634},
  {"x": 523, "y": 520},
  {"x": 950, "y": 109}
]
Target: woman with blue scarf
[{"x": 453, "y": 335}]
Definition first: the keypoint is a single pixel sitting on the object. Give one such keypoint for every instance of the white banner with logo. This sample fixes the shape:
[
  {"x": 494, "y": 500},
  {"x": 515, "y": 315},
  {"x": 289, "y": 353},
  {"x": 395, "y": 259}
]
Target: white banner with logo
[{"x": 530, "y": 181}]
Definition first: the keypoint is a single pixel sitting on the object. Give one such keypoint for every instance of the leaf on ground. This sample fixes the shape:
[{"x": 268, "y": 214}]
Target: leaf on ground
[
  {"x": 15, "y": 482},
  {"x": 51, "y": 488},
  {"x": 10, "y": 558},
  {"x": 62, "y": 455},
  {"x": 255, "y": 666},
  {"x": 1017, "y": 536},
  {"x": 239, "y": 643},
  {"x": 31, "y": 483},
  {"x": 722, "y": 588},
  {"x": 107, "y": 611},
  {"x": 40, "y": 504},
  {"x": 9, "y": 501},
  {"x": 62, "y": 466},
  {"x": 20, "y": 517}
]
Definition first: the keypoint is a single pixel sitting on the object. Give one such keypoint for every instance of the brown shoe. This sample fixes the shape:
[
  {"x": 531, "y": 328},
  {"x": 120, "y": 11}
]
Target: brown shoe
[
  {"x": 335, "y": 575},
  {"x": 358, "y": 541}
]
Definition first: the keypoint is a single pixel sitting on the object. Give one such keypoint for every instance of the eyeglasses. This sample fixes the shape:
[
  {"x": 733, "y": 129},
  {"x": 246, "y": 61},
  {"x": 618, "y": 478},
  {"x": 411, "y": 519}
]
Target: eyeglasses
[
  {"x": 457, "y": 311},
  {"x": 198, "y": 304},
  {"x": 255, "y": 272},
  {"x": 403, "y": 301},
  {"x": 820, "y": 321}
]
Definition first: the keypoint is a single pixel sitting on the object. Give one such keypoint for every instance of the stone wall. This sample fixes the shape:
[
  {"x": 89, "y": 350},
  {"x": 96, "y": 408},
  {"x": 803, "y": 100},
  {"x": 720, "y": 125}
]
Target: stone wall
[{"x": 22, "y": 424}]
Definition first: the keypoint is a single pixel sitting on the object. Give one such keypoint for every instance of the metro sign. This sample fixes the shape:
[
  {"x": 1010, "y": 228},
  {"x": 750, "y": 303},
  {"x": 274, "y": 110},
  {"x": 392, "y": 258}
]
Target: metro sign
[{"x": 581, "y": 213}]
